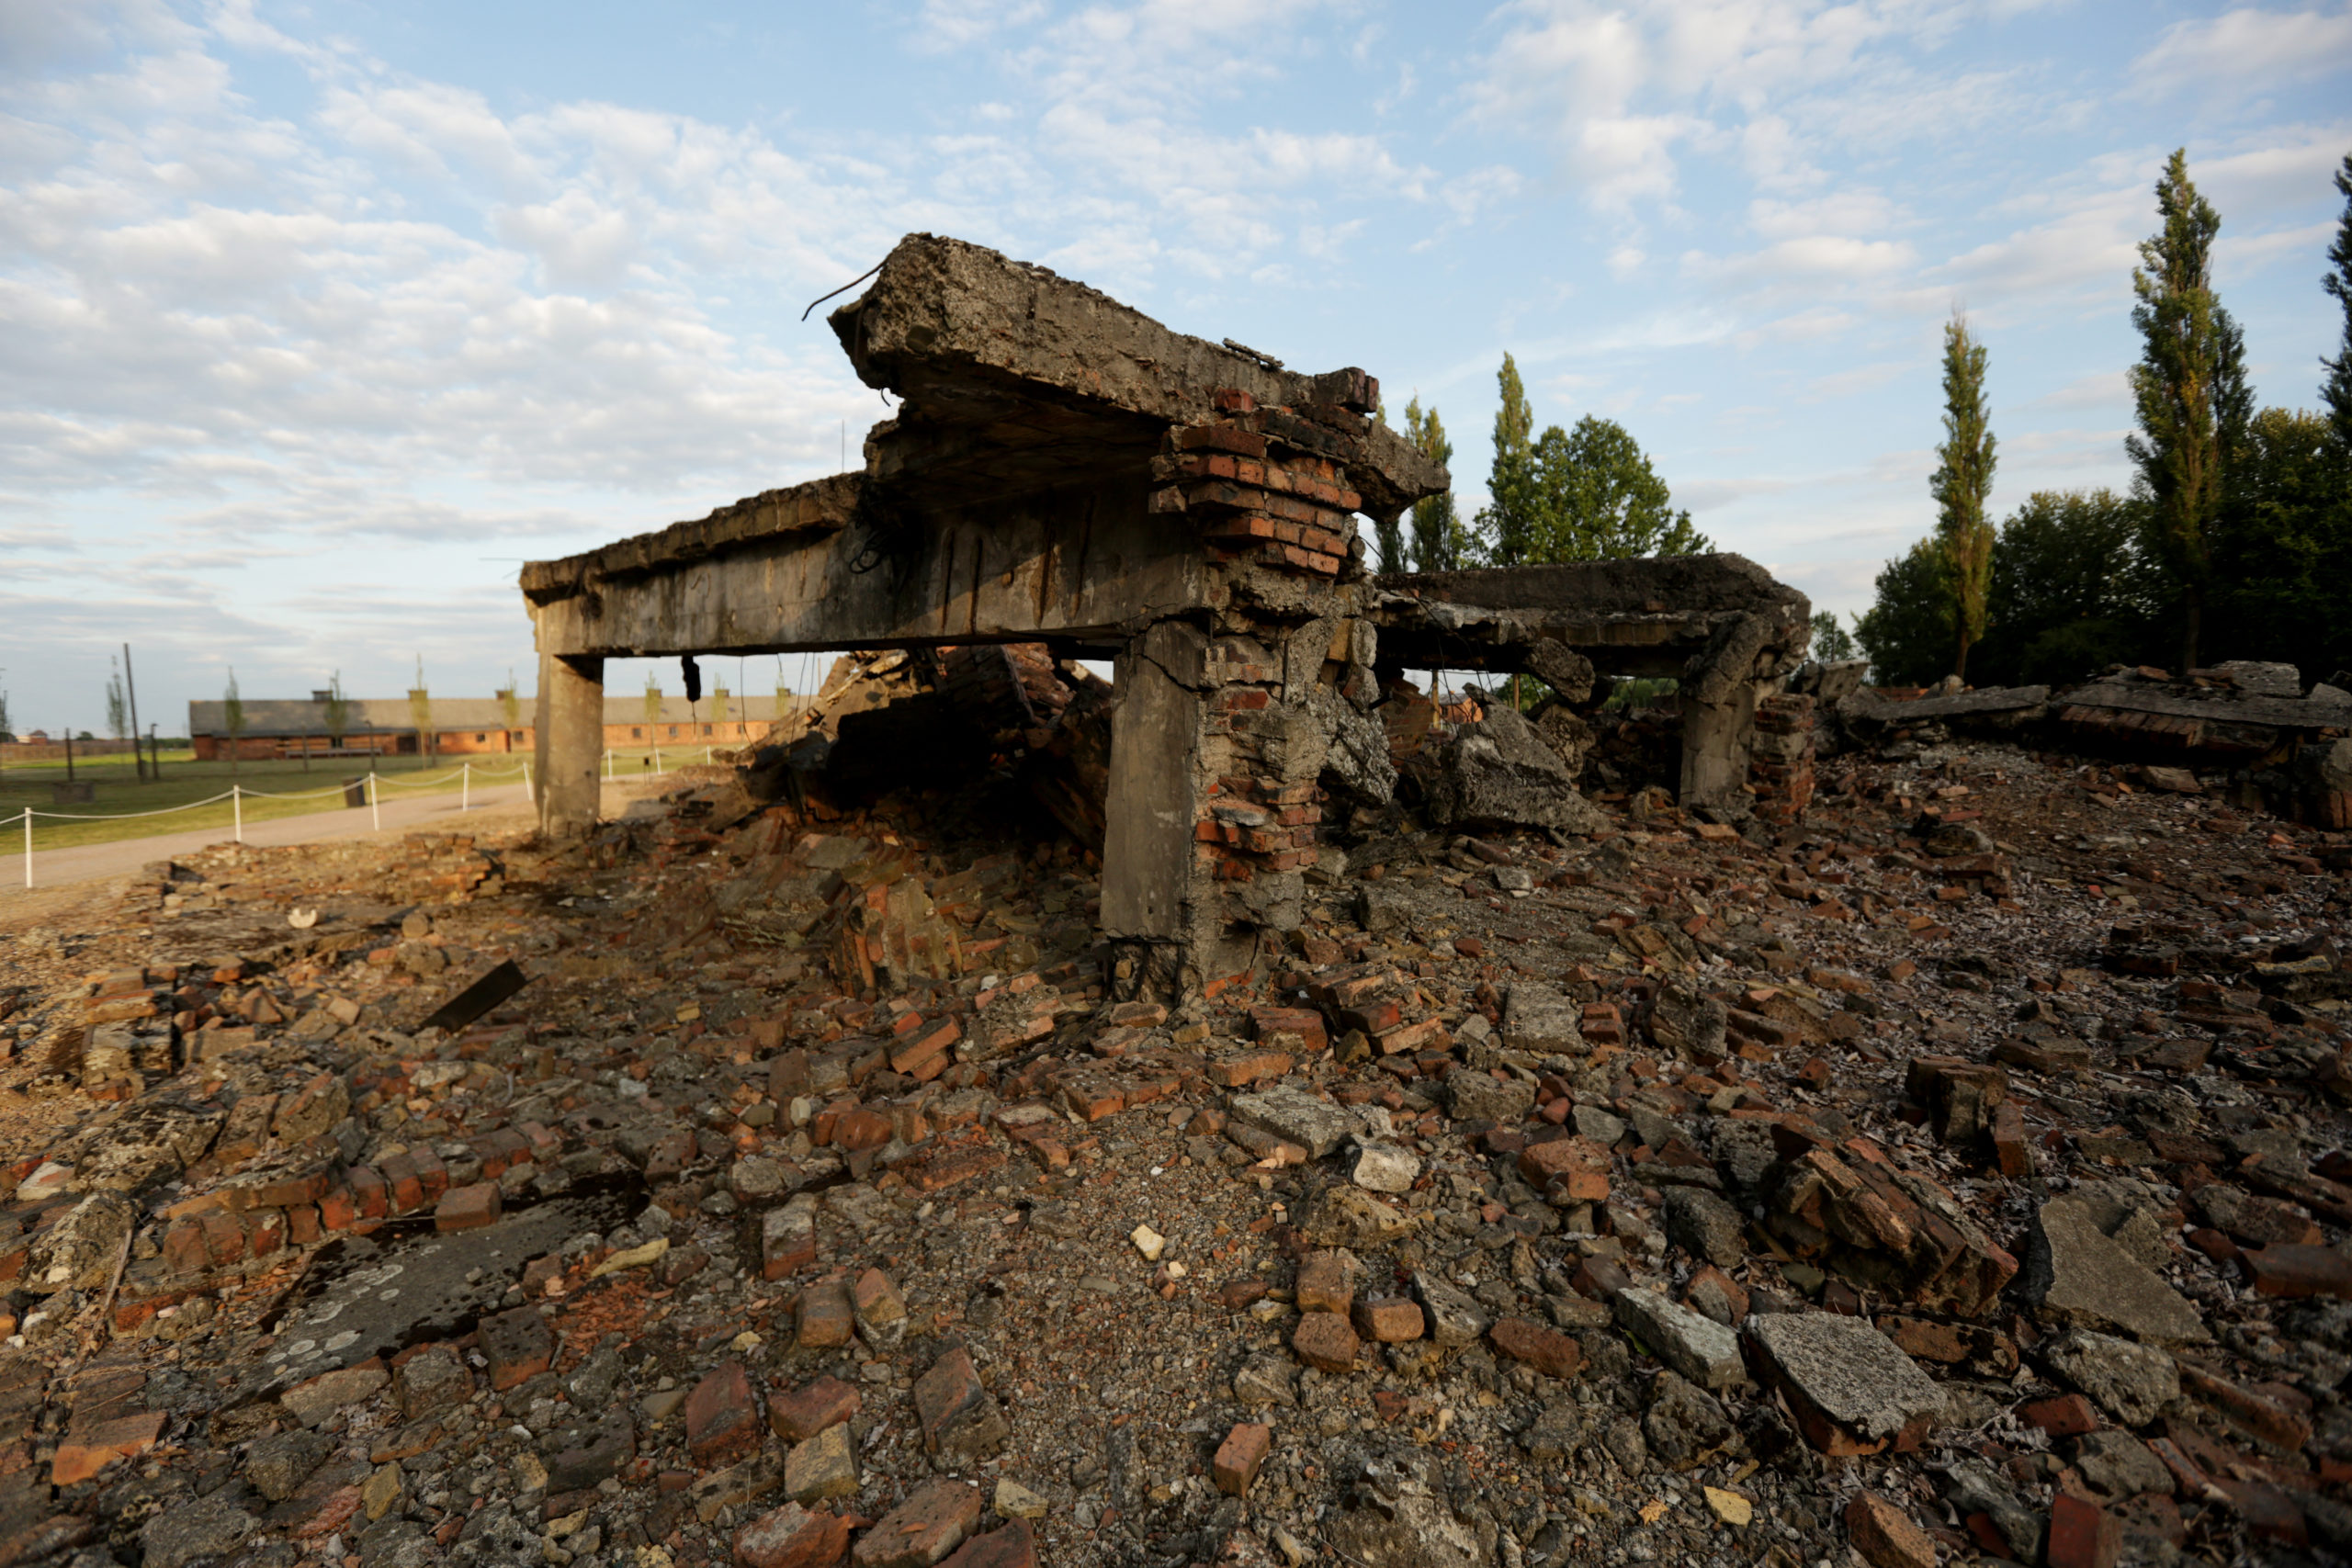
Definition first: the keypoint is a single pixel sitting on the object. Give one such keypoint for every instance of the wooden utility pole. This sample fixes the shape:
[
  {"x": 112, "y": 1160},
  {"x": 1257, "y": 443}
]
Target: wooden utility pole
[{"x": 130, "y": 684}]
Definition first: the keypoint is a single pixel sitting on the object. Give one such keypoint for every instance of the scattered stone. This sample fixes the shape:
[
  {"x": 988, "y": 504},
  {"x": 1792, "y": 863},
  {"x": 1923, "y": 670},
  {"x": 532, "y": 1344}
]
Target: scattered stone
[
  {"x": 2075, "y": 1274},
  {"x": 2131, "y": 1383},
  {"x": 1704, "y": 1225},
  {"x": 1852, "y": 1390},
  {"x": 822, "y": 1467},
  {"x": 1696, "y": 1345}
]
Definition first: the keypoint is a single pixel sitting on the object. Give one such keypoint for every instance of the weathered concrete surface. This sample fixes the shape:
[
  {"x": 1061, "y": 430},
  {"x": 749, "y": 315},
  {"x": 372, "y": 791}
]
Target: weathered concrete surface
[
  {"x": 968, "y": 336},
  {"x": 2075, "y": 1275}
]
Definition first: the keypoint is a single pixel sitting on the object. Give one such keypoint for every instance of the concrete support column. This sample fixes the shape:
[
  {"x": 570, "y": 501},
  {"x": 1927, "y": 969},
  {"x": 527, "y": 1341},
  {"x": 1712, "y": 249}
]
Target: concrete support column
[
  {"x": 1150, "y": 903},
  {"x": 570, "y": 744},
  {"x": 1717, "y": 738}
]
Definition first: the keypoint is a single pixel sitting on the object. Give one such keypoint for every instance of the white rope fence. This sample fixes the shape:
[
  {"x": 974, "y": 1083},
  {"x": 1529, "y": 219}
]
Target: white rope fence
[{"x": 237, "y": 794}]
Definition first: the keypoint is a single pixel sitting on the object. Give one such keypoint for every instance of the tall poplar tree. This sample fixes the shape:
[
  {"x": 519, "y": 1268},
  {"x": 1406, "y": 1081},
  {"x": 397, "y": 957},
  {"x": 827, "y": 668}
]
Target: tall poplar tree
[
  {"x": 2189, "y": 389},
  {"x": 1437, "y": 526},
  {"x": 1507, "y": 523},
  {"x": 1962, "y": 480},
  {"x": 2337, "y": 391}
]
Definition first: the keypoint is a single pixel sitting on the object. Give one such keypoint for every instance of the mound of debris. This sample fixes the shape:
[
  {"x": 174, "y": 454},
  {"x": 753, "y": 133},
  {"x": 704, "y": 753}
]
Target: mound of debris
[{"x": 1957, "y": 1171}]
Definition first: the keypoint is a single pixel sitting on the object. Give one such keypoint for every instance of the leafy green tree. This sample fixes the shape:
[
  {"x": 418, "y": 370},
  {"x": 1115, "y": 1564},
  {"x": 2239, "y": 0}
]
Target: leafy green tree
[
  {"x": 510, "y": 704},
  {"x": 1599, "y": 499},
  {"x": 1962, "y": 480},
  {"x": 2070, "y": 590},
  {"x": 2188, "y": 389},
  {"x": 1832, "y": 643},
  {"x": 1906, "y": 633},
  {"x": 233, "y": 720},
  {"x": 1587, "y": 493},
  {"x": 2337, "y": 391},
  {"x": 1438, "y": 543},
  {"x": 2282, "y": 547}
]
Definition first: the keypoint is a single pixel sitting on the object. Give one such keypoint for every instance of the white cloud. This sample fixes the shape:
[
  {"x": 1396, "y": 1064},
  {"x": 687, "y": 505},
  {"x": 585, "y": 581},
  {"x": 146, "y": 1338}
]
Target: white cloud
[{"x": 2247, "y": 45}]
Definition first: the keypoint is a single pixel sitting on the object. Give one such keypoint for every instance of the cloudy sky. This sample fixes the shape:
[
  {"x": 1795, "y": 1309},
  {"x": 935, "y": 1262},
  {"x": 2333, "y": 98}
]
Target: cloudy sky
[{"x": 316, "y": 318}]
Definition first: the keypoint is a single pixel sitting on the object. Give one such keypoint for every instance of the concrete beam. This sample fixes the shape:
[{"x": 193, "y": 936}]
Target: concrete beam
[{"x": 798, "y": 570}]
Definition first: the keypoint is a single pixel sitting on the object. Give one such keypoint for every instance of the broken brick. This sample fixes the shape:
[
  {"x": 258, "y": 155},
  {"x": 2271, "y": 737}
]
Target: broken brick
[{"x": 1239, "y": 1457}]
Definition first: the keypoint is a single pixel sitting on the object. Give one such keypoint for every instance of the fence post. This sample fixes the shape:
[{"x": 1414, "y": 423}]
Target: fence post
[
  {"x": 527, "y": 792},
  {"x": 465, "y": 786},
  {"x": 29, "y": 846},
  {"x": 375, "y": 804},
  {"x": 237, "y": 806}
]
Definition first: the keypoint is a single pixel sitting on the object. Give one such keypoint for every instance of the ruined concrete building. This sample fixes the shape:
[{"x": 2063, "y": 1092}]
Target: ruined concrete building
[{"x": 1063, "y": 469}]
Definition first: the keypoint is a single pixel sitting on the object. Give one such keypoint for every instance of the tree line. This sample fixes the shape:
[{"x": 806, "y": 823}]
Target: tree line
[
  {"x": 1586, "y": 493},
  {"x": 2233, "y": 540}
]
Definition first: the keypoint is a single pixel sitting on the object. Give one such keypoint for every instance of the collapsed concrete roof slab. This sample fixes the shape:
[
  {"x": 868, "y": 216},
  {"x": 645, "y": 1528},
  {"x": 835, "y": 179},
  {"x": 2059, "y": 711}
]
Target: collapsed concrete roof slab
[{"x": 1031, "y": 362}]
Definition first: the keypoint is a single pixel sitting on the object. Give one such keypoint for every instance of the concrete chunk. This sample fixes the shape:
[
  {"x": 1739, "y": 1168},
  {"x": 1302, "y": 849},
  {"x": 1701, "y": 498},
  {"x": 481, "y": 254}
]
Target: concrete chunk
[
  {"x": 1699, "y": 1347},
  {"x": 2075, "y": 1275},
  {"x": 1853, "y": 1392}
]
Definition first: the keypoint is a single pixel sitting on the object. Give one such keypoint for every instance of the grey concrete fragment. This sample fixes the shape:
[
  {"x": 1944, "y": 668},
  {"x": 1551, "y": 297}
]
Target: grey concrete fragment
[
  {"x": 2131, "y": 1383},
  {"x": 1267, "y": 1380},
  {"x": 147, "y": 1144},
  {"x": 2075, "y": 1275},
  {"x": 1403, "y": 1521},
  {"x": 1850, "y": 1372},
  {"x": 430, "y": 1380},
  {"x": 1689, "y": 1022},
  {"x": 1744, "y": 1154},
  {"x": 1699, "y": 1347},
  {"x": 2119, "y": 1464},
  {"x": 1454, "y": 1319},
  {"x": 1684, "y": 1423},
  {"x": 1603, "y": 1127},
  {"x": 79, "y": 1251},
  {"x": 1295, "y": 1116},
  {"x": 1385, "y": 1167},
  {"x": 280, "y": 1463},
  {"x": 1542, "y": 1020},
  {"x": 1499, "y": 773},
  {"x": 1973, "y": 1486},
  {"x": 1473, "y": 1096},
  {"x": 190, "y": 1532},
  {"x": 1704, "y": 1225},
  {"x": 314, "y": 1401}
]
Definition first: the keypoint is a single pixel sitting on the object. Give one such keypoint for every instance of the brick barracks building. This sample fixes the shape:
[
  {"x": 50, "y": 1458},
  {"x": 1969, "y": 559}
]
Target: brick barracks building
[{"x": 386, "y": 726}]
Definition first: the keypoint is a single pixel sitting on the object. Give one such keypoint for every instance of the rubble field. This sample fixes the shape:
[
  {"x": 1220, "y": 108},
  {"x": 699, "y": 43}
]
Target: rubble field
[{"x": 1955, "y": 1173}]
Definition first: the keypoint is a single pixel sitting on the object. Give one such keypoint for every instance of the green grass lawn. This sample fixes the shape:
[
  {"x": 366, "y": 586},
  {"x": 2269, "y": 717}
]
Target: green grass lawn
[{"x": 184, "y": 780}]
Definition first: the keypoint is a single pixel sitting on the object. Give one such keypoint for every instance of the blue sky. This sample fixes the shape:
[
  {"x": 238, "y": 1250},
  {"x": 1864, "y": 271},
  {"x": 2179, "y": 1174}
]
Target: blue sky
[{"x": 315, "y": 319}]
